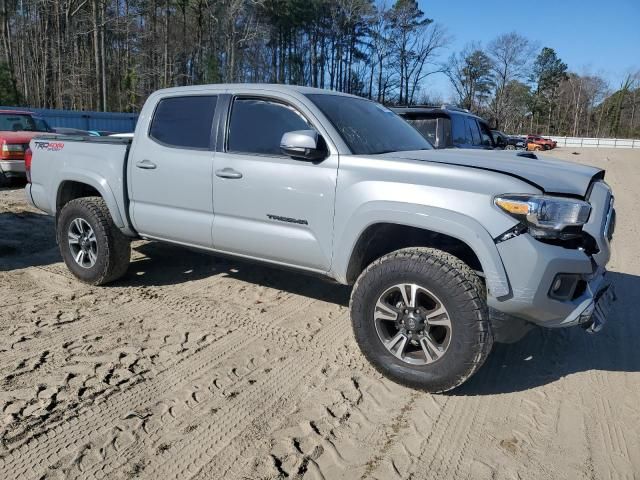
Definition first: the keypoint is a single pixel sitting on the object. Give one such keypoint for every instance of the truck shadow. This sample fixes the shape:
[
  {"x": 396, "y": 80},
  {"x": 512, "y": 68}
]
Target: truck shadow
[
  {"x": 167, "y": 265},
  {"x": 545, "y": 356},
  {"x": 26, "y": 239},
  {"x": 542, "y": 357}
]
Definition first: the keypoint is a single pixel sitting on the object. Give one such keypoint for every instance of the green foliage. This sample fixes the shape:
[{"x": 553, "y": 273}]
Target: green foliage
[
  {"x": 212, "y": 70},
  {"x": 406, "y": 16},
  {"x": 8, "y": 93},
  {"x": 477, "y": 69},
  {"x": 548, "y": 70},
  {"x": 547, "y": 74},
  {"x": 620, "y": 108},
  {"x": 470, "y": 72}
]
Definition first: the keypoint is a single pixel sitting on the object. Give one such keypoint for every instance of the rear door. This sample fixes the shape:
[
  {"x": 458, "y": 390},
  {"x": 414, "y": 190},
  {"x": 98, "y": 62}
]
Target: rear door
[
  {"x": 170, "y": 171},
  {"x": 268, "y": 205}
]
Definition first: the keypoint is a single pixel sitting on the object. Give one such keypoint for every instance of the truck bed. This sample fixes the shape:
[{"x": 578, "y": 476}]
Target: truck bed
[{"x": 60, "y": 159}]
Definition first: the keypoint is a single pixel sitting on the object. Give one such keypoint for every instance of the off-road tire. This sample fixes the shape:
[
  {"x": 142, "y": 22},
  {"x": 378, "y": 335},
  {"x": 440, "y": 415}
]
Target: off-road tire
[
  {"x": 114, "y": 248},
  {"x": 462, "y": 293}
]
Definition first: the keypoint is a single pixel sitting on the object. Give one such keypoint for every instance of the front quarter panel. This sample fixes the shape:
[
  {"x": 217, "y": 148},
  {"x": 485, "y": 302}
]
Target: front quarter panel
[{"x": 452, "y": 200}]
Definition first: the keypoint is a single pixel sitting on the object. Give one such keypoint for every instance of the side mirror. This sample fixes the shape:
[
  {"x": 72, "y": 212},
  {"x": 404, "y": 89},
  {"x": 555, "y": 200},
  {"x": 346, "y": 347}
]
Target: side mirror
[{"x": 304, "y": 145}]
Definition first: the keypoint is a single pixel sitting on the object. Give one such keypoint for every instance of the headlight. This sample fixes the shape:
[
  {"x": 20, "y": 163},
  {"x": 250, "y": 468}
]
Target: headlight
[{"x": 546, "y": 216}]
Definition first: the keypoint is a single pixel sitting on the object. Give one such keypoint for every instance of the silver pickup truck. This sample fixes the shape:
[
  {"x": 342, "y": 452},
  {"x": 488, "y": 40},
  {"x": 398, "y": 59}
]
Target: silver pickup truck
[{"x": 446, "y": 250}]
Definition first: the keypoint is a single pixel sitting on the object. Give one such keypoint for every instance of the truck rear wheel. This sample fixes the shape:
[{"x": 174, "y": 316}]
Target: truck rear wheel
[
  {"x": 93, "y": 248},
  {"x": 420, "y": 317}
]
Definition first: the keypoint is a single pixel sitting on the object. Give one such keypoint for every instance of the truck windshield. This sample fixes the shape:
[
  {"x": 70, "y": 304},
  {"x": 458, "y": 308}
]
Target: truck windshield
[
  {"x": 17, "y": 122},
  {"x": 367, "y": 127}
]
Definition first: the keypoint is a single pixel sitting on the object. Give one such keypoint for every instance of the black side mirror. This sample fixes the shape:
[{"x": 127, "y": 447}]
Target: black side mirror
[{"x": 304, "y": 145}]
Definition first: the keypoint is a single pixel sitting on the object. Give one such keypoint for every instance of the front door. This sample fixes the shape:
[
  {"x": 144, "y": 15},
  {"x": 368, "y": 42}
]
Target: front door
[
  {"x": 268, "y": 205},
  {"x": 171, "y": 170}
]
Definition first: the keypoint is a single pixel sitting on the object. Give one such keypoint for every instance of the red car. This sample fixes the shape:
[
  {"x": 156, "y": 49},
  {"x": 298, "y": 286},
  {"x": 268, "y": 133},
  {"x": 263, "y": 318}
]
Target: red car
[
  {"x": 545, "y": 143},
  {"x": 17, "y": 128}
]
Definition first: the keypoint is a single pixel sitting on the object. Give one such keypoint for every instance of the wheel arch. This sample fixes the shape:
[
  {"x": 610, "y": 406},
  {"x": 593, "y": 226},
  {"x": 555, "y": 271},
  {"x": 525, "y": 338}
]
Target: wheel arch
[
  {"x": 85, "y": 185},
  {"x": 372, "y": 236}
]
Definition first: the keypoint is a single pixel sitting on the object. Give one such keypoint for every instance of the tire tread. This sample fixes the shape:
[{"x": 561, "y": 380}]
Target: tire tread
[
  {"x": 451, "y": 270},
  {"x": 118, "y": 246}
]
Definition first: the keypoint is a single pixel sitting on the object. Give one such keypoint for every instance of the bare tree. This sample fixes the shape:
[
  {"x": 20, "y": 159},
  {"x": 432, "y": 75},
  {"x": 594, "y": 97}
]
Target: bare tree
[
  {"x": 510, "y": 54},
  {"x": 469, "y": 72},
  {"x": 431, "y": 41}
]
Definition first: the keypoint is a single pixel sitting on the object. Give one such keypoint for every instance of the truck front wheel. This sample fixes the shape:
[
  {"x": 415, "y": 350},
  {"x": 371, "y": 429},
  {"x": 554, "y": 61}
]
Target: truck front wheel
[
  {"x": 93, "y": 248},
  {"x": 420, "y": 317}
]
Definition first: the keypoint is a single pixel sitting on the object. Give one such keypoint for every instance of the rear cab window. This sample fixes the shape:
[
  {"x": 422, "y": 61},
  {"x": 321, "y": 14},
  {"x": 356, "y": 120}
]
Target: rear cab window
[
  {"x": 184, "y": 122},
  {"x": 21, "y": 122},
  {"x": 428, "y": 127}
]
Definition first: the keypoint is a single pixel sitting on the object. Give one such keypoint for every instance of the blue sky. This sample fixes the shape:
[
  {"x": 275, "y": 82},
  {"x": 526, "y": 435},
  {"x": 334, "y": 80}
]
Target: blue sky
[{"x": 590, "y": 36}]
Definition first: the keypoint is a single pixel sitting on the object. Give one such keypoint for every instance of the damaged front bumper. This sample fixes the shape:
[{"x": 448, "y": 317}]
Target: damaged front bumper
[
  {"x": 554, "y": 287},
  {"x": 596, "y": 310}
]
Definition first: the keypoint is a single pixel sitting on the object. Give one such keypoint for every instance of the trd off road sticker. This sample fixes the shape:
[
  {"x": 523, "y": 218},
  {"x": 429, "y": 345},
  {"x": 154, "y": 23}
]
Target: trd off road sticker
[{"x": 49, "y": 146}]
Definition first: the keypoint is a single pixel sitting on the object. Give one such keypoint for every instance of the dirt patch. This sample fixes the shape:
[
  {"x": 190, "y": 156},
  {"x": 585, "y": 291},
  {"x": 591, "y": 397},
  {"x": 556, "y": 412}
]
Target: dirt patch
[{"x": 198, "y": 367}]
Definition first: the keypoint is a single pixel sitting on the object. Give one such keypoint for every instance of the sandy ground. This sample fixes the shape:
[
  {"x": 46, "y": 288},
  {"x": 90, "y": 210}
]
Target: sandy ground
[{"x": 198, "y": 367}]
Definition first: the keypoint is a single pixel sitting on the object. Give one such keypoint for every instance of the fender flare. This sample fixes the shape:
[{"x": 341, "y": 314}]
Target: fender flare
[
  {"x": 435, "y": 219},
  {"x": 93, "y": 180}
]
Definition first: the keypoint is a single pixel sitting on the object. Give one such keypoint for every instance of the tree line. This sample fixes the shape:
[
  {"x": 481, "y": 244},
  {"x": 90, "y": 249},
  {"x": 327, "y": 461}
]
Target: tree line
[{"x": 110, "y": 54}]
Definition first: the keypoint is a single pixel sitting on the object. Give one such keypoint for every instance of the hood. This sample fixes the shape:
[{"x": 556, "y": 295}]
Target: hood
[
  {"x": 19, "y": 137},
  {"x": 547, "y": 174}
]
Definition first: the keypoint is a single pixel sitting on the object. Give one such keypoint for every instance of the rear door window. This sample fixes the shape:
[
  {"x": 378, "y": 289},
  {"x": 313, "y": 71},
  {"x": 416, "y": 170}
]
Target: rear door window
[
  {"x": 184, "y": 122},
  {"x": 472, "y": 125},
  {"x": 460, "y": 132},
  {"x": 257, "y": 126}
]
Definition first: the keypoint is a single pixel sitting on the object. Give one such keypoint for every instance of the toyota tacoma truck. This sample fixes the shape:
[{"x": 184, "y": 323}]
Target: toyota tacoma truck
[{"x": 447, "y": 250}]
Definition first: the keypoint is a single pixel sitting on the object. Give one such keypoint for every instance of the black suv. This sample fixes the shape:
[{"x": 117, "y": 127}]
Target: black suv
[
  {"x": 449, "y": 127},
  {"x": 508, "y": 142}
]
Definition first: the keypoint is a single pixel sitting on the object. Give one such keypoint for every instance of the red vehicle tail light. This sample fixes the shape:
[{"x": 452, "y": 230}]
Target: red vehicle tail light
[
  {"x": 11, "y": 151},
  {"x": 27, "y": 163}
]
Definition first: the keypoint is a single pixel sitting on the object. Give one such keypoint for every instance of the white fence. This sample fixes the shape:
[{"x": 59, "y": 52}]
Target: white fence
[{"x": 597, "y": 142}]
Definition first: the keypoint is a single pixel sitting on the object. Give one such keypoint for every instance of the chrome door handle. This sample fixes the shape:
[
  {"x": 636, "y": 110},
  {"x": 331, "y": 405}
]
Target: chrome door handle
[
  {"x": 228, "y": 173},
  {"x": 146, "y": 164}
]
